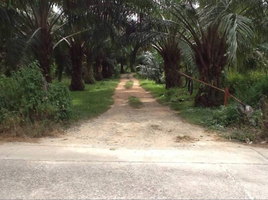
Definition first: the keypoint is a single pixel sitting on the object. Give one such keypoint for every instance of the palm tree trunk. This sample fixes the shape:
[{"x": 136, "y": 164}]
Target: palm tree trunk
[
  {"x": 133, "y": 58},
  {"x": 122, "y": 71},
  {"x": 89, "y": 74},
  {"x": 44, "y": 53},
  {"x": 173, "y": 78},
  {"x": 107, "y": 69},
  {"x": 98, "y": 71},
  {"x": 76, "y": 54},
  {"x": 207, "y": 96},
  {"x": 210, "y": 60},
  {"x": 172, "y": 59}
]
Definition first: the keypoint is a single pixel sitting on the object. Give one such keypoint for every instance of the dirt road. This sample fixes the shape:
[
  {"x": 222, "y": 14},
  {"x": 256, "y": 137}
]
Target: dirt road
[{"x": 151, "y": 126}]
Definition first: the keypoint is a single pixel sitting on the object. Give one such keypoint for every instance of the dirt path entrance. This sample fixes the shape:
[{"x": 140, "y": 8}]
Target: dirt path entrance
[
  {"x": 133, "y": 154},
  {"x": 151, "y": 126}
]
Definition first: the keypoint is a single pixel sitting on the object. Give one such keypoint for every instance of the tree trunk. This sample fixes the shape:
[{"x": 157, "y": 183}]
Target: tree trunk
[
  {"x": 44, "y": 53},
  {"x": 210, "y": 60},
  {"x": 122, "y": 71},
  {"x": 133, "y": 56},
  {"x": 59, "y": 58},
  {"x": 209, "y": 73},
  {"x": 98, "y": 71},
  {"x": 207, "y": 96},
  {"x": 173, "y": 78},
  {"x": 76, "y": 54},
  {"x": 107, "y": 69},
  {"x": 172, "y": 58},
  {"x": 89, "y": 74}
]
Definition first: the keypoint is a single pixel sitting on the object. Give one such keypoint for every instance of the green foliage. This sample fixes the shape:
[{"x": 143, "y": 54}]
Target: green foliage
[
  {"x": 24, "y": 99},
  {"x": 135, "y": 102},
  {"x": 129, "y": 84},
  {"x": 116, "y": 74},
  {"x": 151, "y": 66},
  {"x": 58, "y": 96},
  {"x": 225, "y": 116},
  {"x": 250, "y": 88}
]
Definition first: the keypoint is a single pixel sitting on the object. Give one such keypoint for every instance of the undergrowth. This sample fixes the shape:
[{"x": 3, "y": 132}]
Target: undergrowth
[
  {"x": 28, "y": 106},
  {"x": 31, "y": 108}
]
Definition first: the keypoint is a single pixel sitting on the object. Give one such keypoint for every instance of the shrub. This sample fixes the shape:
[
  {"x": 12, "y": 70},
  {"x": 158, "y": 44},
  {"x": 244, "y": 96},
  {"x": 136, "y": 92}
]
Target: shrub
[
  {"x": 250, "y": 88},
  {"x": 25, "y": 101},
  {"x": 225, "y": 116}
]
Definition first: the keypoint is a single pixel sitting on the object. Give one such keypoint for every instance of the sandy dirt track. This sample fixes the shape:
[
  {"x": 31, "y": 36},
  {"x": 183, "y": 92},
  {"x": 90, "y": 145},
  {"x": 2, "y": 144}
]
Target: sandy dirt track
[{"x": 152, "y": 126}]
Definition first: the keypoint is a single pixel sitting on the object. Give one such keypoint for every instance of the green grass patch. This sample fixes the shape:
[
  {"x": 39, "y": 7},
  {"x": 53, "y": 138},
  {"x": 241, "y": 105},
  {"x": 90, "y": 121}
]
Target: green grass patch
[
  {"x": 94, "y": 100},
  {"x": 134, "y": 102},
  {"x": 129, "y": 84}
]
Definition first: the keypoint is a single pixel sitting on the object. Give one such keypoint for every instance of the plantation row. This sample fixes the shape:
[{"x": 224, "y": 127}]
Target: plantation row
[{"x": 222, "y": 43}]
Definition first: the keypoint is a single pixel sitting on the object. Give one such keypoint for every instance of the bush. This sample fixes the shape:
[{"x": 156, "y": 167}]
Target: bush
[
  {"x": 25, "y": 101},
  {"x": 250, "y": 88},
  {"x": 225, "y": 116}
]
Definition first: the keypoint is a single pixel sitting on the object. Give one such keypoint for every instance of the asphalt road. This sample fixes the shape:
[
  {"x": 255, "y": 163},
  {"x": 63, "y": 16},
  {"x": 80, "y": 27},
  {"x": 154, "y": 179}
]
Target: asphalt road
[{"x": 36, "y": 171}]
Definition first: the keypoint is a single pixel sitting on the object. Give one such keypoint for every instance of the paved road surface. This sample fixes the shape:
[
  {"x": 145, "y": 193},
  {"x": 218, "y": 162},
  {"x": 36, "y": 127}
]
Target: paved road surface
[{"x": 32, "y": 171}]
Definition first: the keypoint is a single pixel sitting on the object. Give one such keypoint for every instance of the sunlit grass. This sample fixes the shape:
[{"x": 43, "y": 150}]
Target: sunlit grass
[{"x": 94, "y": 100}]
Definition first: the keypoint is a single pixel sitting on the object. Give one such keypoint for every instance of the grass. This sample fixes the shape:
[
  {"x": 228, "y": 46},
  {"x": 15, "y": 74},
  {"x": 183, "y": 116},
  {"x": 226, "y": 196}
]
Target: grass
[
  {"x": 129, "y": 84},
  {"x": 134, "y": 102},
  {"x": 180, "y": 100},
  {"x": 94, "y": 100}
]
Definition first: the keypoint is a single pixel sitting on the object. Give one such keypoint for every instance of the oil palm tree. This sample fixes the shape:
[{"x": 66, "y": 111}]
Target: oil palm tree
[
  {"x": 219, "y": 35},
  {"x": 35, "y": 23}
]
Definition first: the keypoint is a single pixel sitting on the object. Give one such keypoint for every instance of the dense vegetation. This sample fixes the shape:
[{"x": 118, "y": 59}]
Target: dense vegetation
[{"x": 222, "y": 43}]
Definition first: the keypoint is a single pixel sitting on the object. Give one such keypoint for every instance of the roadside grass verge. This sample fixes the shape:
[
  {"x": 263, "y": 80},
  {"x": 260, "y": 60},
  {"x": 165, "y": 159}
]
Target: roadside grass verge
[
  {"x": 129, "y": 84},
  {"x": 134, "y": 102},
  {"x": 93, "y": 101},
  {"x": 226, "y": 120}
]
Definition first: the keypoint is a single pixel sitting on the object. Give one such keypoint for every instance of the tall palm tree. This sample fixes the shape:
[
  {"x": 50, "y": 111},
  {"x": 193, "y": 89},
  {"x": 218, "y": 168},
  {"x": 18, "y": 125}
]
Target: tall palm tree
[
  {"x": 5, "y": 31},
  {"x": 219, "y": 35},
  {"x": 36, "y": 22},
  {"x": 168, "y": 46},
  {"x": 95, "y": 20}
]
